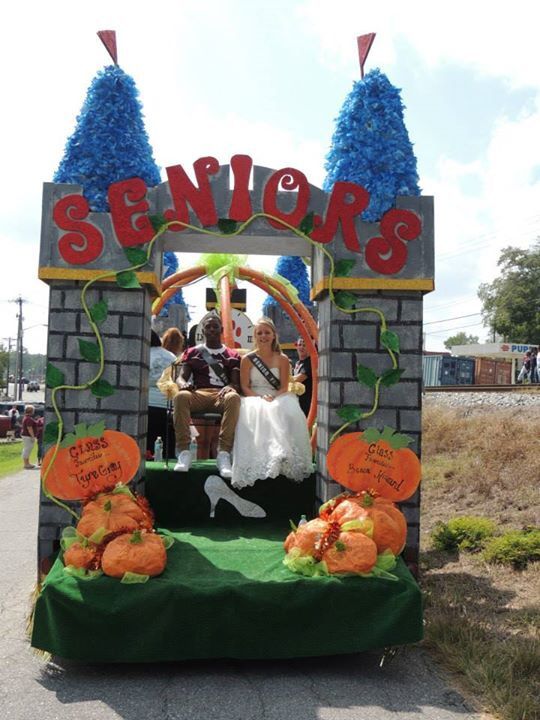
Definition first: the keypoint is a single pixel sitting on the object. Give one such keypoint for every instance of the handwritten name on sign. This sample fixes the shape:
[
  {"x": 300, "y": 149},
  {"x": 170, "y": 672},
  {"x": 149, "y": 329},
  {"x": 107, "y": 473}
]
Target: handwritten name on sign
[
  {"x": 85, "y": 464},
  {"x": 130, "y": 210},
  {"x": 375, "y": 461}
]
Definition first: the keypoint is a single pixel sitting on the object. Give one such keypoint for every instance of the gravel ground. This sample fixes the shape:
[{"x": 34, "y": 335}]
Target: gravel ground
[{"x": 481, "y": 400}]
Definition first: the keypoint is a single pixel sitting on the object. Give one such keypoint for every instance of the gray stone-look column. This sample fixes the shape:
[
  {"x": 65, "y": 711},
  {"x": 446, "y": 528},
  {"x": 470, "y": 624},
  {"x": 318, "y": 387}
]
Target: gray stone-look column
[
  {"x": 126, "y": 341},
  {"x": 349, "y": 340}
]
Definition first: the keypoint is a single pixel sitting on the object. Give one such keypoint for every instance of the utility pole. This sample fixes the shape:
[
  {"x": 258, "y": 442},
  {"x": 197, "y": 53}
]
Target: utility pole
[
  {"x": 19, "y": 350},
  {"x": 9, "y": 341}
]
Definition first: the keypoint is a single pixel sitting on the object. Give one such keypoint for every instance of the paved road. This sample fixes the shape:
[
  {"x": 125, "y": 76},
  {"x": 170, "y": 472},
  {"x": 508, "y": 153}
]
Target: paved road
[{"x": 338, "y": 688}]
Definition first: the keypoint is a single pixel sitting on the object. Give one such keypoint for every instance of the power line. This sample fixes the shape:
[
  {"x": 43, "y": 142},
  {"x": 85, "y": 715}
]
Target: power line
[
  {"x": 458, "y": 317},
  {"x": 459, "y": 327}
]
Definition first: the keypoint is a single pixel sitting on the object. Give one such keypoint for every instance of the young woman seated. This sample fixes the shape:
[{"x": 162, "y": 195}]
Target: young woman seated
[{"x": 271, "y": 436}]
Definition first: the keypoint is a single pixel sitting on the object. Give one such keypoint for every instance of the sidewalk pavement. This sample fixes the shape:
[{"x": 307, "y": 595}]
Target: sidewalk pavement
[{"x": 351, "y": 687}]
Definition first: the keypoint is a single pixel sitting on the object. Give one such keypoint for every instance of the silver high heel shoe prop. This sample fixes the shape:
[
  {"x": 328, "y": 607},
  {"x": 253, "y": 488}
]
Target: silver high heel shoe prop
[{"x": 217, "y": 490}]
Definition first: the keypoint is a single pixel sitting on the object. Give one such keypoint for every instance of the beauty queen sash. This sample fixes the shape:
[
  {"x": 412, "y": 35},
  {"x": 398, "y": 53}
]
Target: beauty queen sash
[{"x": 265, "y": 371}]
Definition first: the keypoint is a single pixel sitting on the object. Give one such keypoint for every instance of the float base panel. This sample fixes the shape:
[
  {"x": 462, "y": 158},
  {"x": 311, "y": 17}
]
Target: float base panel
[{"x": 225, "y": 594}]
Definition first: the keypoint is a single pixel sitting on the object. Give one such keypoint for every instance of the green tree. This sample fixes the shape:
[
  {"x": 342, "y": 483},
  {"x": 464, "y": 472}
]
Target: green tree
[
  {"x": 511, "y": 303},
  {"x": 460, "y": 339}
]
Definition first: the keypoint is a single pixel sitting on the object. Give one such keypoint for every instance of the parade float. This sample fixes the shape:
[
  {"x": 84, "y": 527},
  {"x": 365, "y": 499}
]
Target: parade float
[{"x": 136, "y": 564}]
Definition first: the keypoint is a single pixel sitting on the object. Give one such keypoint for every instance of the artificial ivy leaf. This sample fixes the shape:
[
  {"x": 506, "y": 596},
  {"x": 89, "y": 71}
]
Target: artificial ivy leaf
[
  {"x": 390, "y": 340},
  {"x": 350, "y": 413},
  {"x": 50, "y": 433},
  {"x": 226, "y": 226},
  {"x": 89, "y": 351},
  {"x": 344, "y": 268},
  {"x": 136, "y": 255},
  {"x": 345, "y": 299},
  {"x": 53, "y": 376},
  {"x": 157, "y": 221},
  {"x": 391, "y": 377},
  {"x": 307, "y": 224},
  {"x": 99, "y": 312},
  {"x": 366, "y": 376},
  {"x": 101, "y": 388},
  {"x": 127, "y": 279}
]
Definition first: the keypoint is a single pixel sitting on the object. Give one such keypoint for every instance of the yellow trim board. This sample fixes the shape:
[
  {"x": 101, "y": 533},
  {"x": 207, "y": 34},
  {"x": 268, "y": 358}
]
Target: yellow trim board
[
  {"x": 49, "y": 273},
  {"x": 346, "y": 283}
]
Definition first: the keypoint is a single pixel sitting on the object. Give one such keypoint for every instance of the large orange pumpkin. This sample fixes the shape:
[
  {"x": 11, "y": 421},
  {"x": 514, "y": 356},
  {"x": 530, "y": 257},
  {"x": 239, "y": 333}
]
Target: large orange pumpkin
[
  {"x": 352, "y": 552},
  {"x": 89, "y": 460},
  {"x": 388, "y": 525},
  {"x": 305, "y": 537},
  {"x": 372, "y": 460},
  {"x": 342, "y": 551},
  {"x": 139, "y": 552},
  {"x": 111, "y": 512}
]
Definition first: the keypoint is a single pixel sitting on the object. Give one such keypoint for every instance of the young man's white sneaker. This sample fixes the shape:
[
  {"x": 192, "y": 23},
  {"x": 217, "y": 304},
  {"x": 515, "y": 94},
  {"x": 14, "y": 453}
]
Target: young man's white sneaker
[
  {"x": 184, "y": 461},
  {"x": 223, "y": 462}
]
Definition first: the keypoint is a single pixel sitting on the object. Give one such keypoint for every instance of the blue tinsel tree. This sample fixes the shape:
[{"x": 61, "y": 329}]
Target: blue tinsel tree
[
  {"x": 295, "y": 271},
  {"x": 371, "y": 145},
  {"x": 110, "y": 144}
]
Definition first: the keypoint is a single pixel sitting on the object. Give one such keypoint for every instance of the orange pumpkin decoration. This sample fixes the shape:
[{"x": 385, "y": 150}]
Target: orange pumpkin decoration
[
  {"x": 341, "y": 551},
  {"x": 112, "y": 512},
  {"x": 140, "y": 552},
  {"x": 80, "y": 555},
  {"x": 305, "y": 537},
  {"x": 389, "y": 527},
  {"x": 89, "y": 460},
  {"x": 372, "y": 460},
  {"x": 353, "y": 552}
]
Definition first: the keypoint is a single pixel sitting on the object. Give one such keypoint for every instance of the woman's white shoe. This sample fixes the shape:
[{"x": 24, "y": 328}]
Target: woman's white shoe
[{"x": 217, "y": 490}]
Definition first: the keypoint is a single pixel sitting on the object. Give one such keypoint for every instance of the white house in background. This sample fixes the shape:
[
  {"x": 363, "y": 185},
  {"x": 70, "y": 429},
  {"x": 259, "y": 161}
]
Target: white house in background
[{"x": 497, "y": 351}]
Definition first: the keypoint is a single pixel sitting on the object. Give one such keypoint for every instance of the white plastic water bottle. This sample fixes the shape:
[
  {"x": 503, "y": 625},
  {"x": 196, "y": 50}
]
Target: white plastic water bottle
[
  {"x": 302, "y": 521},
  {"x": 193, "y": 448},
  {"x": 158, "y": 450}
]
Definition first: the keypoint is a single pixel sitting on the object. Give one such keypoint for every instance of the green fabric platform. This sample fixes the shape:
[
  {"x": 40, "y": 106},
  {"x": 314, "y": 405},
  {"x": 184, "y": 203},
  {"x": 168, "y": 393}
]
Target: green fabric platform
[{"x": 225, "y": 592}]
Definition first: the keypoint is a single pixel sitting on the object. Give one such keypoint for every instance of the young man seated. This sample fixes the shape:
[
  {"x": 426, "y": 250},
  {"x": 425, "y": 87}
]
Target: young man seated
[{"x": 209, "y": 382}]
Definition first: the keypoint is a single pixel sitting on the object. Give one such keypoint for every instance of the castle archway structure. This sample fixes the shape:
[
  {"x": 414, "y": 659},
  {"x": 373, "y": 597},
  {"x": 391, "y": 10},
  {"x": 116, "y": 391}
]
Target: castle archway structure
[{"x": 104, "y": 273}]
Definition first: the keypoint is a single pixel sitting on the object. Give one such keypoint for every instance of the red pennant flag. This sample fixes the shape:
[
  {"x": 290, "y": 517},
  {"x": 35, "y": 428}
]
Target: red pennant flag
[
  {"x": 364, "y": 46},
  {"x": 108, "y": 38}
]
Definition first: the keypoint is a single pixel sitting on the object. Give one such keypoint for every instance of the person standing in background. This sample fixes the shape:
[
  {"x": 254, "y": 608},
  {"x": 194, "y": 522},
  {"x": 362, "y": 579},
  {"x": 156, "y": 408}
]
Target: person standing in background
[
  {"x": 28, "y": 433},
  {"x": 302, "y": 374},
  {"x": 157, "y": 403}
]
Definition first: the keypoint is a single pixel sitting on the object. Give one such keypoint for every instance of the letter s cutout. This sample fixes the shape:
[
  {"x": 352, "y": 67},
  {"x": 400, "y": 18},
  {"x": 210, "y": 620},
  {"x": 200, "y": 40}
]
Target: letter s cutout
[
  {"x": 397, "y": 226},
  {"x": 85, "y": 243}
]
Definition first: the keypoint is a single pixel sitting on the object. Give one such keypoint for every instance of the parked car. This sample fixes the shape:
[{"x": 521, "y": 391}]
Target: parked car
[
  {"x": 5, "y": 407},
  {"x": 33, "y": 386}
]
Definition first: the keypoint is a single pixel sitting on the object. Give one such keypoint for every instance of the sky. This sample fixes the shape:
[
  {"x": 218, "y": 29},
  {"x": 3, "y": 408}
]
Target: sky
[{"x": 267, "y": 79}]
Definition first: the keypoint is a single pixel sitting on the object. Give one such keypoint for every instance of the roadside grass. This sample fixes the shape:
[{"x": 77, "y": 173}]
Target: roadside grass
[
  {"x": 483, "y": 620},
  {"x": 10, "y": 457}
]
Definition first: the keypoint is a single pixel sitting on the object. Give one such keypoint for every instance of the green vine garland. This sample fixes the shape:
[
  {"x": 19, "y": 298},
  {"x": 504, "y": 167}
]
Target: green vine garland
[{"x": 344, "y": 301}]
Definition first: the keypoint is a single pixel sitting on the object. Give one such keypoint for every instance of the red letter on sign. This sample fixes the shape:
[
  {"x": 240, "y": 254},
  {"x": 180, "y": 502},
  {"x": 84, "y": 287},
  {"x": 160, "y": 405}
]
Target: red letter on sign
[
  {"x": 136, "y": 231},
  {"x": 241, "y": 201},
  {"x": 396, "y": 226},
  {"x": 289, "y": 179},
  {"x": 184, "y": 191},
  {"x": 339, "y": 210},
  {"x": 86, "y": 242}
]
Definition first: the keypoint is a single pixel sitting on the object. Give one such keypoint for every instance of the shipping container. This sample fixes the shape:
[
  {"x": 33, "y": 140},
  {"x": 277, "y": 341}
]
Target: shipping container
[
  {"x": 503, "y": 372},
  {"x": 465, "y": 371},
  {"x": 457, "y": 370},
  {"x": 485, "y": 371},
  {"x": 431, "y": 370}
]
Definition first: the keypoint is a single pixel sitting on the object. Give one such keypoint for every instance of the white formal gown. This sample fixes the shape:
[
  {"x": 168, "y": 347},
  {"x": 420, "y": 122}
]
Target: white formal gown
[{"x": 271, "y": 438}]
